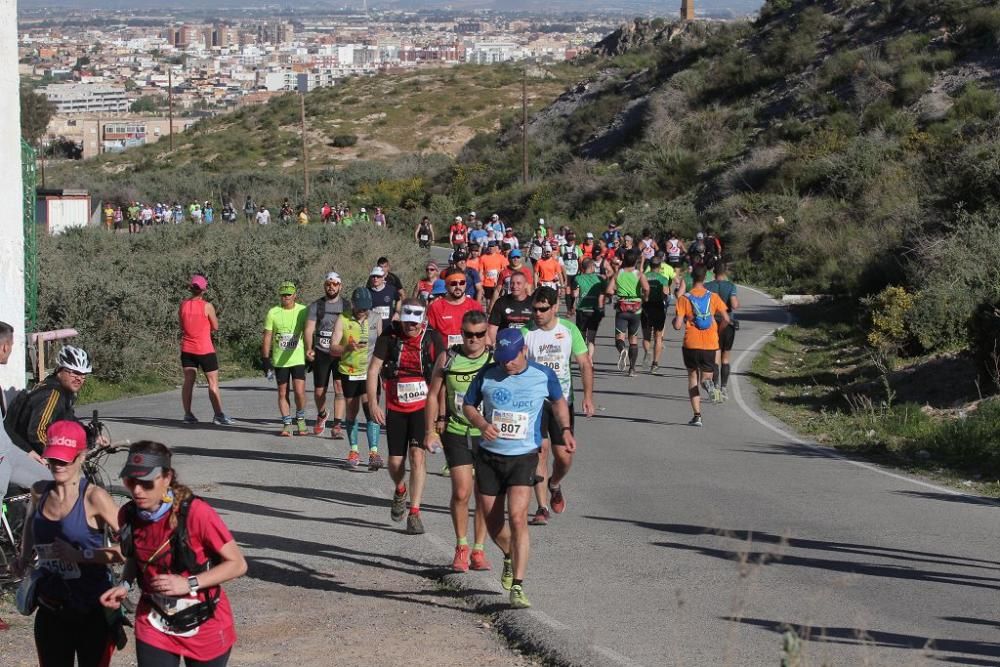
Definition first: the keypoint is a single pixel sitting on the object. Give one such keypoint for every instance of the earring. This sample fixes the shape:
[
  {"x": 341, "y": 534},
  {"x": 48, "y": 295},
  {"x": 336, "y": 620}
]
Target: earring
[{"x": 167, "y": 497}]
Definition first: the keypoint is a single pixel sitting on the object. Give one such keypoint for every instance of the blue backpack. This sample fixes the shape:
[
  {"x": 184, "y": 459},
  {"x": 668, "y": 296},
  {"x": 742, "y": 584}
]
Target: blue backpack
[{"x": 701, "y": 305}]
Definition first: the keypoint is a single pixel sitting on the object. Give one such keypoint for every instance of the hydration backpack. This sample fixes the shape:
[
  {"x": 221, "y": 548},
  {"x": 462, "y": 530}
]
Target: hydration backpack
[{"x": 701, "y": 305}]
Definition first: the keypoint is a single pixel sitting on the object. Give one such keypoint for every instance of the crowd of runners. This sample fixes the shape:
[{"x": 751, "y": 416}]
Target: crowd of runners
[{"x": 474, "y": 359}]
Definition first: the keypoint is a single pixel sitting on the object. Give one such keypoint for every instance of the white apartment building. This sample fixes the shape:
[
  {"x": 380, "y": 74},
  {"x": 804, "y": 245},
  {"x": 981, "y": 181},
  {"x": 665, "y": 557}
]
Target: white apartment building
[{"x": 71, "y": 98}]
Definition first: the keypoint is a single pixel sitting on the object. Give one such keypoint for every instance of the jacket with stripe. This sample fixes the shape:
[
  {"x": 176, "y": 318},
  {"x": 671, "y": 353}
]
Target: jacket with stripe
[{"x": 31, "y": 413}]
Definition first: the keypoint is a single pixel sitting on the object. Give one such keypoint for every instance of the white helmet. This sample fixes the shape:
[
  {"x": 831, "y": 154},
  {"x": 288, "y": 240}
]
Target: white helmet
[{"x": 74, "y": 359}]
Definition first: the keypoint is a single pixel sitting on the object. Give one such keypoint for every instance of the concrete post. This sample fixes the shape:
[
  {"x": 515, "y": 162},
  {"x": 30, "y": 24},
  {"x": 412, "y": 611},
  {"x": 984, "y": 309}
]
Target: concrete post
[{"x": 11, "y": 226}]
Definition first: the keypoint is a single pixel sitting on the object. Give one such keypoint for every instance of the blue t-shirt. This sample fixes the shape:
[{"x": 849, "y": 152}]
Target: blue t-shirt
[
  {"x": 471, "y": 280},
  {"x": 478, "y": 236},
  {"x": 513, "y": 404}
]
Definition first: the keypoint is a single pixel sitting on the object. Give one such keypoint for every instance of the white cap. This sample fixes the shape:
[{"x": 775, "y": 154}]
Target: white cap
[
  {"x": 590, "y": 235},
  {"x": 377, "y": 271},
  {"x": 458, "y": 218},
  {"x": 362, "y": 209},
  {"x": 472, "y": 214},
  {"x": 700, "y": 235},
  {"x": 334, "y": 276},
  {"x": 547, "y": 248},
  {"x": 495, "y": 217}
]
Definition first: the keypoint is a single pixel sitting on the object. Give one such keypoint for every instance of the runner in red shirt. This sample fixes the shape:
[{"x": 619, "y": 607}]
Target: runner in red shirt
[
  {"x": 445, "y": 315},
  {"x": 425, "y": 285},
  {"x": 403, "y": 360},
  {"x": 168, "y": 583},
  {"x": 517, "y": 265},
  {"x": 458, "y": 233}
]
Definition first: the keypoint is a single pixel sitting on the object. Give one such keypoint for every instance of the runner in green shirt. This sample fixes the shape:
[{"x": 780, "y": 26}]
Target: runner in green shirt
[
  {"x": 654, "y": 311},
  {"x": 283, "y": 351},
  {"x": 589, "y": 293}
]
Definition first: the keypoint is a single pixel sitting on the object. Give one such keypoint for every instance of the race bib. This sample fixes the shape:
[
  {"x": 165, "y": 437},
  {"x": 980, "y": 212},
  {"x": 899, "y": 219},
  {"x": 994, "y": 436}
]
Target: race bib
[
  {"x": 357, "y": 378},
  {"x": 408, "y": 393},
  {"x": 454, "y": 339},
  {"x": 459, "y": 402},
  {"x": 511, "y": 425},
  {"x": 383, "y": 312},
  {"x": 424, "y": 237},
  {"x": 324, "y": 339},
  {"x": 288, "y": 341},
  {"x": 48, "y": 561},
  {"x": 171, "y": 605},
  {"x": 554, "y": 284},
  {"x": 553, "y": 361},
  {"x": 493, "y": 274}
]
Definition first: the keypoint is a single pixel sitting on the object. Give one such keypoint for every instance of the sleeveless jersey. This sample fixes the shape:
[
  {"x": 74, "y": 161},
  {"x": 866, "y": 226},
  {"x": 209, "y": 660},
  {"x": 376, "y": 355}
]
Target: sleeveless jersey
[{"x": 354, "y": 365}]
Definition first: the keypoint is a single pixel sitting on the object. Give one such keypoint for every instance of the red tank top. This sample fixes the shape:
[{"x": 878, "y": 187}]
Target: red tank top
[{"x": 195, "y": 327}]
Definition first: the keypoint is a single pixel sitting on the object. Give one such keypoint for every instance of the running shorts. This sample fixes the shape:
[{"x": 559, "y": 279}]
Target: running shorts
[
  {"x": 495, "y": 473},
  {"x": 552, "y": 429},
  {"x": 353, "y": 388},
  {"x": 627, "y": 323},
  {"x": 325, "y": 368},
  {"x": 206, "y": 362},
  {"x": 698, "y": 359},
  {"x": 403, "y": 430},
  {"x": 294, "y": 372},
  {"x": 726, "y": 338},
  {"x": 488, "y": 293},
  {"x": 652, "y": 321},
  {"x": 458, "y": 449},
  {"x": 588, "y": 322}
]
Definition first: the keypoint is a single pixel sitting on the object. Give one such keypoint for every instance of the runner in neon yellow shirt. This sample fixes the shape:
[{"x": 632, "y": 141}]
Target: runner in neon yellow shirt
[{"x": 283, "y": 351}]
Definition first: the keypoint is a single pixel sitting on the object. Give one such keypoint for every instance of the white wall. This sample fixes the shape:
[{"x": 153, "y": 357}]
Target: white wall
[{"x": 11, "y": 230}]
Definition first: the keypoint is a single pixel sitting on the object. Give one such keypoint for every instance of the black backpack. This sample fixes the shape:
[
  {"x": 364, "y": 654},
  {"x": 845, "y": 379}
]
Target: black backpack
[{"x": 390, "y": 367}]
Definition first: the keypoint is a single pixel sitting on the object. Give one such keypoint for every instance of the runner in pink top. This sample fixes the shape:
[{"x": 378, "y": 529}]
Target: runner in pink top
[{"x": 198, "y": 321}]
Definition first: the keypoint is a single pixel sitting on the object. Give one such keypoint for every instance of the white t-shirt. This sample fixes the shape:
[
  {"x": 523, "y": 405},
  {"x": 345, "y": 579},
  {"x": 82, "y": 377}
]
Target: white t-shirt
[{"x": 263, "y": 217}]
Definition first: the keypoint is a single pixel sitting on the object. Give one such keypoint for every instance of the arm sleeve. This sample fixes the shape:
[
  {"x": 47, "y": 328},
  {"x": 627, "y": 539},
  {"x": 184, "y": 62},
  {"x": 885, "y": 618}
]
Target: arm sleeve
[
  {"x": 555, "y": 389},
  {"x": 474, "y": 394}
]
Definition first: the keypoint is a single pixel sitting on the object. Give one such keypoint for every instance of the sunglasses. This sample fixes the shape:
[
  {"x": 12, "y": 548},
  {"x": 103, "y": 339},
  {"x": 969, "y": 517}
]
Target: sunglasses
[
  {"x": 432, "y": 268},
  {"x": 538, "y": 309},
  {"x": 456, "y": 283},
  {"x": 413, "y": 311},
  {"x": 473, "y": 334},
  {"x": 131, "y": 483}
]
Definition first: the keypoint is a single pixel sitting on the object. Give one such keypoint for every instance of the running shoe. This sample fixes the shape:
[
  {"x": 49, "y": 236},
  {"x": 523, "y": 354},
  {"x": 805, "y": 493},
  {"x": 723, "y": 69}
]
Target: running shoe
[
  {"x": 632, "y": 373},
  {"x": 374, "y": 461},
  {"x": 446, "y": 471},
  {"x": 518, "y": 600},
  {"x": 222, "y": 420},
  {"x": 286, "y": 430},
  {"x": 414, "y": 524},
  {"x": 398, "y": 509},
  {"x": 622, "y": 359},
  {"x": 460, "y": 563},
  {"x": 695, "y": 421},
  {"x": 320, "y": 424},
  {"x": 725, "y": 393},
  {"x": 716, "y": 394},
  {"x": 507, "y": 575},
  {"x": 353, "y": 459},
  {"x": 479, "y": 561},
  {"x": 301, "y": 426},
  {"x": 707, "y": 385},
  {"x": 337, "y": 432},
  {"x": 557, "y": 500},
  {"x": 653, "y": 367},
  {"x": 540, "y": 518},
  {"x": 190, "y": 419}
]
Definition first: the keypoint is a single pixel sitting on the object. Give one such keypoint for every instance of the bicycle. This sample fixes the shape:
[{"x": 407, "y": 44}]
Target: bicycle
[{"x": 12, "y": 516}]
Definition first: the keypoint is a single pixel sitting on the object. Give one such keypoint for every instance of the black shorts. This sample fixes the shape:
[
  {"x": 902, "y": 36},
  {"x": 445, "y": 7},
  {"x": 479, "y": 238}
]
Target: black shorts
[
  {"x": 403, "y": 429},
  {"x": 627, "y": 323},
  {"x": 325, "y": 368},
  {"x": 488, "y": 292},
  {"x": 698, "y": 359},
  {"x": 353, "y": 388},
  {"x": 458, "y": 449},
  {"x": 726, "y": 338},
  {"x": 551, "y": 428},
  {"x": 572, "y": 282},
  {"x": 588, "y": 322},
  {"x": 294, "y": 372},
  {"x": 206, "y": 362},
  {"x": 652, "y": 321},
  {"x": 495, "y": 473}
]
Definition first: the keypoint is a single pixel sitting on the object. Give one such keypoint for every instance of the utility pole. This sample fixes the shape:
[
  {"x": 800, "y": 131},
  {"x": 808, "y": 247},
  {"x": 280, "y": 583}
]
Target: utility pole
[
  {"x": 524, "y": 125},
  {"x": 170, "y": 104},
  {"x": 305, "y": 153}
]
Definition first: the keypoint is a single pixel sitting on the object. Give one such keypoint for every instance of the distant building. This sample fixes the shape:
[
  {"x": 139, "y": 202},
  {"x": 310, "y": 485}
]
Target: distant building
[
  {"x": 687, "y": 10},
  {"x": 74, "y": 98},
  {"x": 114, "y": 135}
]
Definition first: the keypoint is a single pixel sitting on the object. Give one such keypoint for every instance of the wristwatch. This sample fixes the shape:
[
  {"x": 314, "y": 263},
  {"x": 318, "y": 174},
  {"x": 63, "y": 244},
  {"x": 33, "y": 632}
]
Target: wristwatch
[
  {"x": 88, "y": 554},
  {"x": 193, "y": 584}
]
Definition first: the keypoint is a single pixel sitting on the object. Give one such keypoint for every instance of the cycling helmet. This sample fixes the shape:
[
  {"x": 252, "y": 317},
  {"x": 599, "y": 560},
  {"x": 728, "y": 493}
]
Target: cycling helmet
[{"x": 74, "y": 359}]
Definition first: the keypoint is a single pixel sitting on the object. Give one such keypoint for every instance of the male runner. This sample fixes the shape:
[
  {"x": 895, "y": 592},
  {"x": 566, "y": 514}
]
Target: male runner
[
  {"x": 454, "y": 370},
  {"x": 517, "y": 265},
  {"x": 548, "y": 271},
  {"x": 445, "y": 315},
  {"x": 491, "y": 265},
  {"x": 473, "y": 282},
  {"x": 727, "y": 336},
  {"x": 283, "y": 351},
  {"x": 570, "y": 258},
  {"x": 512, "y": 310},
  {"x": 321, "y": 318},
  {"x": 458, "y": 234},
  {"x": 505, "y": 402},
  {"x": 403, "y": 359},
  {"x": 630, "y": 288},
  {"x": 554, "y": 342},
  {"x": 697, "y": 311},
  {"x": 385, "y": 297},
  {"x": 589, "y": 293},
  {"x": 654, "y": 311}
]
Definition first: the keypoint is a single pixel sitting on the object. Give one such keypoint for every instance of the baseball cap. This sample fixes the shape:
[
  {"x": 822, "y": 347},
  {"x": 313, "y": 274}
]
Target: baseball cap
[
  {"x": 546, "y": 248},
  {"x": 492, "y": 244},
  {"x": 515, "y": 253},
  {"x": 472, "y": 214},
  {"x": 590, "y": 235},
  {"x": 199, "y": 281},
  {"x": 459, "y": 256},
  {"x": 458, "y": 218},
  {"x": 361, "y": 298},
  {"x": 510, "y": 342},
  {"x": 377, "y": 271},
  {"x": 541, "y": 222},
  {"x": 494, "y": 217},
  {"x": 332, "y": 276},
  {"x": 439, "y": 287},
  {"x": 700, "y": 235},
  {"x": 64, "y": 439},
  {"x": 144, "y": 466},
  {"x": 287, "y": 287}
]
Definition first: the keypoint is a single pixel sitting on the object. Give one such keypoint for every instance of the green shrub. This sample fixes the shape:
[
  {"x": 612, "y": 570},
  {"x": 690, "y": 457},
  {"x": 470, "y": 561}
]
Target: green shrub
[
  {"x": 344, "y": 140},
  {"x": 911, "y": 83},
  {"x": 888, "y": 313},
  {"x": 976, "y": 102}
]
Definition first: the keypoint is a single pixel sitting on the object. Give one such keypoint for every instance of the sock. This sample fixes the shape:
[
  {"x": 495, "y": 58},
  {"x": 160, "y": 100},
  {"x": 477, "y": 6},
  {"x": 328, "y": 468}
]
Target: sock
[
  {"x": 320, "y": 415},
  {"x": 517, "y": 582},
  {"x": 619, "y": 345},
  {"x": 463, "y": 541},
  {"x": 633, "y": 354},
  {"x": 352, "y": 434},
  {"x": 300, "y": 414},
  {"x": 286, "y": 419},
  {"x": 372, "y": 432},
  {"x": 697, "y": 414},
  {"x": 401, "y": 489},
  {"x": 478, "y": 547},
  {"x": 506, "y": 558},
  {"x": 725, "y": 374},
  {"x": 414, "y": 509}
]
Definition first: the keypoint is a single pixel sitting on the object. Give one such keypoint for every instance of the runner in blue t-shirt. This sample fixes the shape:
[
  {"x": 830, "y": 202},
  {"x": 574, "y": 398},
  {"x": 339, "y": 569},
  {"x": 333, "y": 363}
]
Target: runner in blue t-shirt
[{"x": 505, "y": 403}]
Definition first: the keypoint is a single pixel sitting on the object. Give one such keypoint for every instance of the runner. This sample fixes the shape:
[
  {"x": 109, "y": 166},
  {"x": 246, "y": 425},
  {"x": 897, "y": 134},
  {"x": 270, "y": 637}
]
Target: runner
[
  {"x": 283, "y": 351},
  {"x": 536, "y": 246},
  {"x": 512, "y": 311},
  {"x": 425, "y": 285},
  {"x": 198, "y": 321},
  {"x": 424, "y": 234},
  {"x": 512, "y": 393},
  {"x": 548, "y": 271},
  {"x": 458, "y": 234},
  {"x": 326, "y": 213},
  {"x": 612, "y": 235},
  {"x": 654, "y": 311},
  {"x": 477, "y": 234},
  {"x": 403, "y": 359},
  {"x": 385, "y": 297},
  {"x": 263, "y": 216},
  {"x": 647, "y": 247},
  {"x": 697, "y": 312},
  {"x": 570, "y": 259},
  {"x": 516, "y": 265},
  {"x": 630, "y": 288},
  {"x": 321, "y": 317},
  {"x": 727, "y": 335},
  {"x": 554, "y": 342},
  {"x": 179, "y": 552},
  {"x": 379, "y": 218},
  {"x": 454, "y": 370},
  {"x": 589, "y": 293},
  {"x": 353, "y": 341},
  {"x": 249, "y": 210},
  {"x": 109, "y": 216},
  {"x": 474, "y": 258},
  {"x": 65, "y": 529},
  {"x": 493, "y": 263},
  {"x": 510, "y": 239},
  {"x": 675, "y": 249},
  {"x": 473, "y": 283},
  {"x": 390, "y": 277},
  {"x": 303, "y": 216},
  {"x": 445, "y": 315}
]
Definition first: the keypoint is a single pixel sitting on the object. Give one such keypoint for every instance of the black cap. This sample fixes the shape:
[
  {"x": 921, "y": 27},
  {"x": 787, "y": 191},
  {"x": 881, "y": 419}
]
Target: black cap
[
  {"x": 459, "y": 256},
  {"x": 144, "y": 466}
]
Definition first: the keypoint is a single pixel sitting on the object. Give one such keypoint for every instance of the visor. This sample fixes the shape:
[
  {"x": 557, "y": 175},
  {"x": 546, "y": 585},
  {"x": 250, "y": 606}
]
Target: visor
[
  {"x": 143, "y": 466},
  {"x": 411, "y": 314}
]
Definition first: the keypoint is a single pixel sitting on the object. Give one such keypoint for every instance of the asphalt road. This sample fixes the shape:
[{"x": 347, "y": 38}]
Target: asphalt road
[{"x": 679, "y": 546}]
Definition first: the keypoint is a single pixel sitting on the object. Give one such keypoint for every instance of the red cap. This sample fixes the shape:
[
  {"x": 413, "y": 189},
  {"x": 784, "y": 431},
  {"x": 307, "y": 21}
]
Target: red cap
[
  {"x": 64, "y": 440},
  {"x": 199, "y": 281}
]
